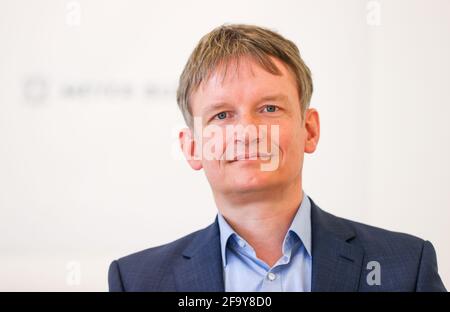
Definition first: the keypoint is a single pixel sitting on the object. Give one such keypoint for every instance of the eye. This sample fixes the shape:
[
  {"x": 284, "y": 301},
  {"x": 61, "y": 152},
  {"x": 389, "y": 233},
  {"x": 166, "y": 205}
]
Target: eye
[
  {"x": 270, "y": 108},
  {"x": 221, "y": 115}
]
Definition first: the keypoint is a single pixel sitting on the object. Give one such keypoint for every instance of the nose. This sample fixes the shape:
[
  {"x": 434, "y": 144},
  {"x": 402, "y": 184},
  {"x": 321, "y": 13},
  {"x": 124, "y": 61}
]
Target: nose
[{"x": 246, "y": 129}]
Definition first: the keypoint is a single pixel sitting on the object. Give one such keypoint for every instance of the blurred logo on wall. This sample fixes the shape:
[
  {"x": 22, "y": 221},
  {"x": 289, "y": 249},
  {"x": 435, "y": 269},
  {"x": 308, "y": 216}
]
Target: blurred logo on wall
[
  {"x": 40, "y": 90},
  {"x": 35, "y": 89}
]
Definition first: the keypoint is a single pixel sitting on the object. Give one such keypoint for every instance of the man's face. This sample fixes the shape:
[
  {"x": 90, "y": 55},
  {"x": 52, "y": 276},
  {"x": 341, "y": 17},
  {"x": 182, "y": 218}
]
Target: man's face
[{"x": 252, "y": 98}]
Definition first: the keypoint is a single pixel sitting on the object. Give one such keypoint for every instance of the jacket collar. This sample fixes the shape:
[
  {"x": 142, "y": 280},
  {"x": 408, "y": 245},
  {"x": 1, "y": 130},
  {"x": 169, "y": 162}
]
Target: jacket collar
[
  {"x": 336, "y": 263},
  {"x": 200, "y": 267}
]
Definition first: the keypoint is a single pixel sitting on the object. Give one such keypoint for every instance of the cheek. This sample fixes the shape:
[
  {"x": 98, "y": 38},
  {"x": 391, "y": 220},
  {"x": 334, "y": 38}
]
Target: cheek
[
  {"x": 213, "y": 150},
  {"x": 213, "y": 145},
  {"x": 212, "y": 171},
  {"x": 291, "y": 143}
]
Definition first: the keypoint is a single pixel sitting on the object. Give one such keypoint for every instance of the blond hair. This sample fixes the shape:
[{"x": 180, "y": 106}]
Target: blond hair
[{"x": 231, "y": 42}]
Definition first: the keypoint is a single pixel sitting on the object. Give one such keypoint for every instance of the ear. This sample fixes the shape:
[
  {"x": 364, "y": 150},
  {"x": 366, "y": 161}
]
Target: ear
[
  {"x": 312, "y": 126},
  {"x": 187, "y": 144}
]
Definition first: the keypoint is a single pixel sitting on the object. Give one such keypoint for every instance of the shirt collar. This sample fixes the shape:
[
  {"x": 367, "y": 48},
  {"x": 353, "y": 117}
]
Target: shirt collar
[
  {"x": 301, "y": 226},
  {"x": 225, "y": 233}
]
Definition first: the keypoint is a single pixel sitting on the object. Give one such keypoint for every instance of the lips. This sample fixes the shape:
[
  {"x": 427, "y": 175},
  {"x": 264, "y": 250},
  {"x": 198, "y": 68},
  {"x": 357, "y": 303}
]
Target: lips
[{"x": 253, "y": 156}]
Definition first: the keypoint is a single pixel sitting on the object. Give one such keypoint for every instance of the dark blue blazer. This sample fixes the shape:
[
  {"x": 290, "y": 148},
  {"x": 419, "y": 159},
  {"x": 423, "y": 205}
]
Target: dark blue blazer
[{"x": 341, "y": 252}]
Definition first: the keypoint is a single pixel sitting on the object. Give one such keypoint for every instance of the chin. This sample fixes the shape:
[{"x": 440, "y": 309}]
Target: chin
[{"x": 250, "y": 181}]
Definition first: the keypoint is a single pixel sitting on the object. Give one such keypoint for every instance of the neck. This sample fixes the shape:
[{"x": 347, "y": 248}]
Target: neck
[{"x": 263, "y": 220}]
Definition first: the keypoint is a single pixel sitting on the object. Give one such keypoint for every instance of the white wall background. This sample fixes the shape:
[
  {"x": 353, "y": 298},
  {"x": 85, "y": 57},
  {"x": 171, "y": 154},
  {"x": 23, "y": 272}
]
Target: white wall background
[{"x": 88, "y": 121}]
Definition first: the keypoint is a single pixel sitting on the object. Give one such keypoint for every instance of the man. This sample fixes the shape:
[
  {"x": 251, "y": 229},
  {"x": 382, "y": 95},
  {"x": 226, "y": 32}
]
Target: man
[{"x": 245, "y": 94}]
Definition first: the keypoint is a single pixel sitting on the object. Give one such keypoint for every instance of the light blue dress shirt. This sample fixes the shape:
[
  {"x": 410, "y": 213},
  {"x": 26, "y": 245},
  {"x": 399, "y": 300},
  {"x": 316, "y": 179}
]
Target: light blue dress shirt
[{"x": 243, "y": 271}]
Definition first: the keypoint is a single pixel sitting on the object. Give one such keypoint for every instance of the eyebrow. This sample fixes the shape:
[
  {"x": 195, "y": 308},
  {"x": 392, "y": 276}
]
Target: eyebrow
[
  {"x": 215, "y": 107},
  {"x": 221, "y": 105},
  {"x": 274, "y": 97}
]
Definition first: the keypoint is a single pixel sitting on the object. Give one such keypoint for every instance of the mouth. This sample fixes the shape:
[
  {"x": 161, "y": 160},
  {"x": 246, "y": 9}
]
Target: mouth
[{"x": 250, "y": 157}]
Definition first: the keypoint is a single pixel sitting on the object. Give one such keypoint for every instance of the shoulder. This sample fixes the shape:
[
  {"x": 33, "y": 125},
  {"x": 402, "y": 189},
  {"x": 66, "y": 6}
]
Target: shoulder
[
  {"x": 370, "y": 238},
  {"x": 159, "y": 254},
  {"x": 409, "y": 263},
  {"x": 376, "y": 240},
  {"x": 150, "y": 268},
  {"x": 404, "y": 260}
]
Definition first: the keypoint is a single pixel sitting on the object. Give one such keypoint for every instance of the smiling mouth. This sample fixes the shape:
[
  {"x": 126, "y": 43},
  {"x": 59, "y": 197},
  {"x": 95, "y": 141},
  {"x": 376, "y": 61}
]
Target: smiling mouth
[{"x": 250, "y": 157}]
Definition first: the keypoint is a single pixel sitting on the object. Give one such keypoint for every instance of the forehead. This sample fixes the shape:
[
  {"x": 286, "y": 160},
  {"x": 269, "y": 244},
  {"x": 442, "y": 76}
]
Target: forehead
[{"x": 244, "y": 79}]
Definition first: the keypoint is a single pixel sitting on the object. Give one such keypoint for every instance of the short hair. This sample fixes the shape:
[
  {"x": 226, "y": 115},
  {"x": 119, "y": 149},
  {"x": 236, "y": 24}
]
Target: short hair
[{"x": 228, "y": 43}]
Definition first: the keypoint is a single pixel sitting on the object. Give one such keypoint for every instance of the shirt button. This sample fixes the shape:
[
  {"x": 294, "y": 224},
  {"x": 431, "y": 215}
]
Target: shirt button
[{"x": 271, "y": 276}]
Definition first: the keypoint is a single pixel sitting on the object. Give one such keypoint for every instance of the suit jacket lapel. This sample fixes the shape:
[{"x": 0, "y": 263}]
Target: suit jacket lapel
[
  {"x": 336, "y": 263},
  {"x": 200, "y": 265}
]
